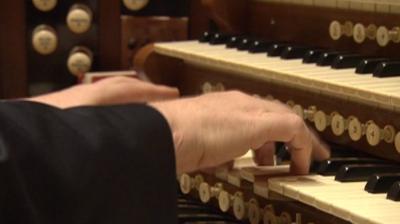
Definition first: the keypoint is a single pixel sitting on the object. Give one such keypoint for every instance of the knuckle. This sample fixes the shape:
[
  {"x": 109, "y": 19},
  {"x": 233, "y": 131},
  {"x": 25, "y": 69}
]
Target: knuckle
[{"x": 296, "y": 122}]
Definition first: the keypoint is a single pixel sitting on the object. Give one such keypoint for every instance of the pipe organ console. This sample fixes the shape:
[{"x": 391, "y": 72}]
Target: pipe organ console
[
  {"x": 49, "y": 44},
  {"x": 335, "y": 63}
]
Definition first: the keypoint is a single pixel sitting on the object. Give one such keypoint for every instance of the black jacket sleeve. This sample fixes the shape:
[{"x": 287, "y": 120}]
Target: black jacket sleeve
[{"x": 103, "y": 165}]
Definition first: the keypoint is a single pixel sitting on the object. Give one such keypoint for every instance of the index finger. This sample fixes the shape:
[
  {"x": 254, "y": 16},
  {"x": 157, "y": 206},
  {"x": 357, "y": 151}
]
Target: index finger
[{"x": 290, "y": 128}]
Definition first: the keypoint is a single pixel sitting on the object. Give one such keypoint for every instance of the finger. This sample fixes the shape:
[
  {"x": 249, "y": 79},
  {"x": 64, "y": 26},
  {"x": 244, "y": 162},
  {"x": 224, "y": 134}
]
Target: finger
[
  {"x": 156, "y": 93},
  {"x": 280, "y": 127},
  {"x": 320, "y": 150},
  {"x": 264, "y": 156}
]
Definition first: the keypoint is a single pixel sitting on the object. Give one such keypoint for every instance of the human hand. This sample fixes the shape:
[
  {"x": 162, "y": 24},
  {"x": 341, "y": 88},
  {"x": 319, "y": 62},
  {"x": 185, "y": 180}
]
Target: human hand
[
  {"x": 215, "y": 128},
  {"x": 116, "y": 90}
]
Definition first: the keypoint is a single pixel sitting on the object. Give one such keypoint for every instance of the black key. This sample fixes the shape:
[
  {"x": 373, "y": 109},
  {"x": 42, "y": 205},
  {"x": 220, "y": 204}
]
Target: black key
[
  {"x": 281, "y": 152},
  {"x": 326, "y": 58},
  {"x": 234, "y": 42},
  {"x": 343, "y": 151},
  {"x": 312, "y": 56},
  {"x": 213, "y": 222},
  {"x": 368, "y": 66},
  {"x": 332, "y": 166},
  {"x": 347, "y": 61},
  {"x": 184, "y": 218},
  {"x": 191, "y": 208},
  {"x": 185, "y": 201},
  {"x": 259, "y": 46},
  {"x": 387, "y": 69},
  {"x": 206, "y": 37},
  {"x": 219, "y": 38},
  {"x": 314, "y": 166},
  {"x": 244, "y": 45},
  {"x": 353, "y": 172},
  {"x": 276, "y": 49},
  {"x": 381, "y": 183},
  {"x": 394, "y": 192},
  {"x": 293, "y": 52}
]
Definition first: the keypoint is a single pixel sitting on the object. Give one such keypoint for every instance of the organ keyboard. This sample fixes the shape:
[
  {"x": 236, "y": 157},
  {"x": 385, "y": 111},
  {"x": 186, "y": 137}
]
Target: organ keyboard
[{"x": 335, "y": 63}]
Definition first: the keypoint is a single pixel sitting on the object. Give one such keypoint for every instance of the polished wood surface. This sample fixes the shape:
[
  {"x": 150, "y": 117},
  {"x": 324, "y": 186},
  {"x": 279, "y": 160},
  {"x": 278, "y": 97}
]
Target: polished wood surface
[
  {"x": 13, "y": 67},
  {"x": 110, "y": 35},
  {"x": 309, "y": 25},
  {"x": 140, "y": 31}
]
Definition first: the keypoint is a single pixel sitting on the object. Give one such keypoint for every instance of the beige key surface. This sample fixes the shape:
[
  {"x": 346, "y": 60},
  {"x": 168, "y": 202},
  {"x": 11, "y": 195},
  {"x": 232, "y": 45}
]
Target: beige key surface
[
  {"x": 254, "y": 173},
  {"x": 343, "y": 83}
]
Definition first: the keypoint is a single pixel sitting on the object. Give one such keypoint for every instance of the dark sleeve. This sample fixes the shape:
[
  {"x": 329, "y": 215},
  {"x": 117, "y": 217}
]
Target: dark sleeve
[{"x": 97, "y": 165}]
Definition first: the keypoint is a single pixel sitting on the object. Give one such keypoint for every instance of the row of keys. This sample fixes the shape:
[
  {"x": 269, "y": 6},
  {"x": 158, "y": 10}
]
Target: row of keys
[
  {"x": 360, "y": 33},
  {"x": 376, "y": 175},
  {"x": 337, "y": 60},
  {"x": 375, "y": 6}
]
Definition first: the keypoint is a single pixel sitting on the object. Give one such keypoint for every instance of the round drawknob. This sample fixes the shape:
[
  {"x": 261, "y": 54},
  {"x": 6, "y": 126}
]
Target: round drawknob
[
  {"x": 384, "y": 36},
  {"x": 371, "y": 31},
  {"x": 135, "y": 5},
  {"x": 207, "y": 87},
  {"x": 359, "y": 33},
  {"x": 269, "y": 215},
  {"x": 219, "y": 87},
  {"x": 355, "y": 129},
  {"x": 373, "y": 133},
  {"x": 79, "y": 61},
  {"x": 298, "y": 109},
  {"x": 338, "y": 124},
  {"x": 337, "y": 30},
  {"x": 239, "y": 207},
  {"x": 389, "y": 134},
  {"x": 44, "y": 5},
  {"x": 285, "y": 218},
  {"x": 309, "y": 113},
  {"x": 397, "y": 142},
  {"x": 44, "y": 40},
  {"x": 204, "y": 192},
  {"x": 269, "y": 97},
  {"x": 185, "y": 183},
  {"x": 224, "y": 201},
  {"x": 79, "y": 18},
  {"x": 198, "y": 179},
  {"x": 321, "y": 120},
  {"x": 254, "y": 212}
]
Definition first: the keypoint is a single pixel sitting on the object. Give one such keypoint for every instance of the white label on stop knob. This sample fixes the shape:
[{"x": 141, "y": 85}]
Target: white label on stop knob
[
  {"x": 185, "y": 183},
  {"x": 79, "y": 63},
  {"x": 382, "y": 36},
  {"x": 355, "y": 129},
  {"x": 373, "y": 133},
  {"x": 337, "y": 124},
  {"x": 44, "y": 5},
  {"x": 320, "y": 120},
  {"x": 44, "y": 41},
  {"x": 204, "y": 192},
  {"x": 224, "y": 201},
  {"x": 79, "y": 20},
  {"x": 359, "y": 33},
  {"x": 335, "y": 30},
  {"x": 397, "y": 142},
  {"x": 239, "y": 209},
  {"x": 135, "y": 5}
]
